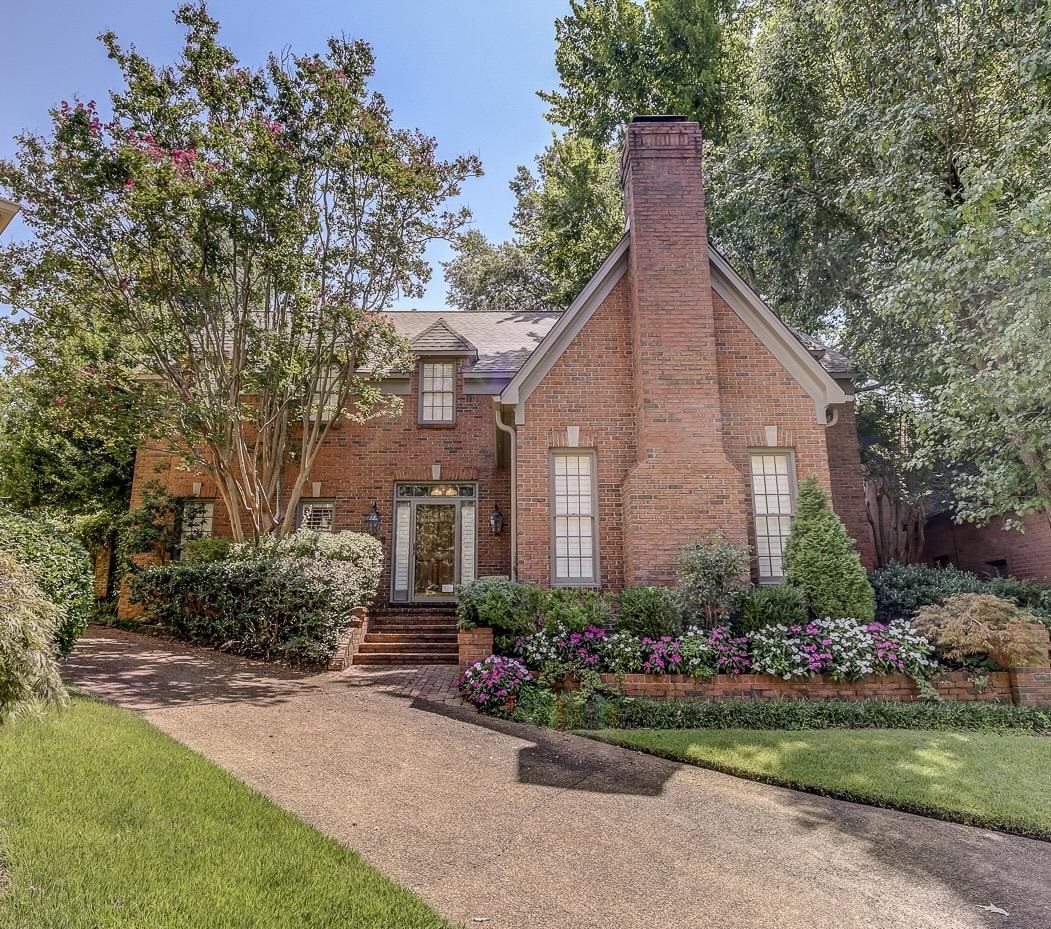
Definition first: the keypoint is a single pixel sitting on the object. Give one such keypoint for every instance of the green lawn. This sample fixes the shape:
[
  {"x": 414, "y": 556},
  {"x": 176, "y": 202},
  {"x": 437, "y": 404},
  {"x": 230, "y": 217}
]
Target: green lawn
[
  {"x": 1000, "y": 781},
  {"x": 106, "y": 822}
]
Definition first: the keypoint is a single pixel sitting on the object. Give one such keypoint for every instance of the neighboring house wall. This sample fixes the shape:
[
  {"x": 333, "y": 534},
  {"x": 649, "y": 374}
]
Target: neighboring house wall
[
  {"x": 847, "y": 479},
  {"x": 991, "y": 549}
]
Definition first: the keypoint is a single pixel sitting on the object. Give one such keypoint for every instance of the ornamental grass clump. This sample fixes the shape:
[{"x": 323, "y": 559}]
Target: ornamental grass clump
[
  {"x": 29, "y": 622},
  {"x": 822, "y": 561},
  {"x": 978, "y": 624},
  {"x": 493, "y": 683}
]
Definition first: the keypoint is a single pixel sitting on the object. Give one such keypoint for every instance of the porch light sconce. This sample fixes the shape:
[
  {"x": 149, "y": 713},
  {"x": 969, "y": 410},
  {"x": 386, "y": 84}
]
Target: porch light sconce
[
  {"x": 496, "y": 521},
  {"x": 372, "y": 521}
]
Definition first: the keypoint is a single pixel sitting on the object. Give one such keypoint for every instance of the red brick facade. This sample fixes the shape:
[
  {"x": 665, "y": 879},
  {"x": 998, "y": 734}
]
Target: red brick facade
[
  {"x": 668, "y": 384},
  {"x": 991, "y": 549}
]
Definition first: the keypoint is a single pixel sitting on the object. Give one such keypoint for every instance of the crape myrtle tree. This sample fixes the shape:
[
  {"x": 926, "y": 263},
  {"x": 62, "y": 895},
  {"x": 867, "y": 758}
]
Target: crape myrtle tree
[{"x": 243, "y": 230}]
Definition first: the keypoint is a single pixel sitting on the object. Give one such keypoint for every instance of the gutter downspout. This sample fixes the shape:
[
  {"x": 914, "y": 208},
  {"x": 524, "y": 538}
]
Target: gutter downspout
[{"x": 510, "y": 430}]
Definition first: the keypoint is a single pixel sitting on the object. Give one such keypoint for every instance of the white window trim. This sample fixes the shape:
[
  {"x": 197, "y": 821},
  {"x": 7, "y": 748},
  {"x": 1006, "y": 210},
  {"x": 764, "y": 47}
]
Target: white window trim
[
  {"x": 422, "y": 394},
  {"x": 771, "y": 580},
  {"x": 207, "y": 520},
  {"x": 303, "y": 504},
  {"x": 595, "y": 579}
]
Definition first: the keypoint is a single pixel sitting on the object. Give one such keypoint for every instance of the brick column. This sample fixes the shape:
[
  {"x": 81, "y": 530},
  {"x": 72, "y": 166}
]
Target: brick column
[
  {"x": 475, "y": 645},
  {"x": 1031, "y": 683}
]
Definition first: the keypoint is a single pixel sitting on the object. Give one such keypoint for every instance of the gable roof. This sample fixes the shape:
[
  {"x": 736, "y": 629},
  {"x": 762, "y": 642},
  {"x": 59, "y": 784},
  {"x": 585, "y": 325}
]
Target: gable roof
[
  {"x": 784, "y": 343},
  {"x": 502, "y": 341},
  {"x": 440, "y": 339},
  {"x": 8, "y": 211}
]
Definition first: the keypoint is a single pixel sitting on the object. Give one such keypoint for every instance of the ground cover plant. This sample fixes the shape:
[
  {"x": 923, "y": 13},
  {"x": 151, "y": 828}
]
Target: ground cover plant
[
  {"x": 994, "y": 780},
  {"x": 110, "y": 823}
]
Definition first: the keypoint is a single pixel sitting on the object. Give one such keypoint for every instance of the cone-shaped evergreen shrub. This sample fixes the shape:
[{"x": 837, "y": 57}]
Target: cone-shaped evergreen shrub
[{"x": 821, "y": 560}]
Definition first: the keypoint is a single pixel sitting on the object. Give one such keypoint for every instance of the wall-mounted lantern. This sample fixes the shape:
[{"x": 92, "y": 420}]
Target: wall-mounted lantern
[
  {"x": 496, "y": 521},
  {"x": 372, "y": 521}
]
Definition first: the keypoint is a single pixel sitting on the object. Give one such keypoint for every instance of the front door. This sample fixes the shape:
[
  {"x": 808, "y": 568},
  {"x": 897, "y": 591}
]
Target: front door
[{"x": 434, "y": 541}]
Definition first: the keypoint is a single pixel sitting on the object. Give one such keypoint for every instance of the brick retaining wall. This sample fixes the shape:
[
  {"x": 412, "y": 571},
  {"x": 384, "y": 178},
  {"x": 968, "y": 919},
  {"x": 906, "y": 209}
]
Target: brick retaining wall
[
  {"x": 953, "y": 685},
  {"x": 1029, "y": 685}
]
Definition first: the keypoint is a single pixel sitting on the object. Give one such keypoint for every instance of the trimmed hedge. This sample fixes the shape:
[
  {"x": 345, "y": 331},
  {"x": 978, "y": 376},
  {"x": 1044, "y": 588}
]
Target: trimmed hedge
[
  {"x": 901, "y": 589},
  {"x": 649, "y": 612},
  {"x": 568, "y": 711},
  {"x": 508, "y": 607},
  {"x": 62, "y": 568},
  {"x": 769, "y": 606},
  {"x": 290, "y": 598}
]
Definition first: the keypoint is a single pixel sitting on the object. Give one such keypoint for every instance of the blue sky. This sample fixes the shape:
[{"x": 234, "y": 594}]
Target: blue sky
[{"x": 465, "y": 71}]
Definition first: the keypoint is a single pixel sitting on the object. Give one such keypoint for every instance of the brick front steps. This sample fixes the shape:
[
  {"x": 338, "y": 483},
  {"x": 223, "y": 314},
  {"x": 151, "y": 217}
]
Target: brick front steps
[{"x": 409, "y": 635}]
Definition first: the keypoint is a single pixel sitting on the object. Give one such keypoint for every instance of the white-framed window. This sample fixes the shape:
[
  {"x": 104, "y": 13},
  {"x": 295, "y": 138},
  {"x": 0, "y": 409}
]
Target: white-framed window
[
  {"x": 195, "y": 521},
  {"x": 317, "y": 515},
  {"x": 438, "y": 392},
  {"x": 574, "y": 545},
  {"x": 773, "y": 503}
]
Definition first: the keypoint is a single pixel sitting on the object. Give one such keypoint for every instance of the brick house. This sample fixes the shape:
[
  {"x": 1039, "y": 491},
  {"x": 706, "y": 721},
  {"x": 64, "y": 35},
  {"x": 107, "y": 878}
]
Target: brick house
[
  {"x": 585, "y": 448},
  {"x": 990, "y": 550}
]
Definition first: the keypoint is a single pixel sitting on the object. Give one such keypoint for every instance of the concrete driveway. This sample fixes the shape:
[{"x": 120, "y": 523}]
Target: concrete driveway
[{"x": 509, "y": 827}]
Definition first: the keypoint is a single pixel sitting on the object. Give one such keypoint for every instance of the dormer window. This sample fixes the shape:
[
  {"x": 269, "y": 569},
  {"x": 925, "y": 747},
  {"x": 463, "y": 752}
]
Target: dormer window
[{"x": 437, "y": 392}]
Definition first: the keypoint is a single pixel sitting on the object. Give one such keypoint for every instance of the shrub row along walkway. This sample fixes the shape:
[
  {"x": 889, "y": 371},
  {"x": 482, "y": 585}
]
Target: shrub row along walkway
[{"x": 501, "y": 825}]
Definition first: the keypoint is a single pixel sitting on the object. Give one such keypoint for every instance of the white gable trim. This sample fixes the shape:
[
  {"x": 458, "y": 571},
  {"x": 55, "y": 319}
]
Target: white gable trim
[
  {"x": 768, "y": 327},
  {"x": 568, "y": 327},
  {"x": 8, "y": 211}
]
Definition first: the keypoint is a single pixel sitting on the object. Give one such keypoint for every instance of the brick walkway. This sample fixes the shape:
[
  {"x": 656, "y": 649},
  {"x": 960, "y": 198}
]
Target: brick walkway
[{"x": 431, "y": 683}]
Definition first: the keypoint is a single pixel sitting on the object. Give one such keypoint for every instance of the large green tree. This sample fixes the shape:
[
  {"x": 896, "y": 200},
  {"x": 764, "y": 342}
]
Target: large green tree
[
  {"x": 615, "y": 59},
  {"x": 244, "y": 231},
  {"x": 881, "y": 174}
]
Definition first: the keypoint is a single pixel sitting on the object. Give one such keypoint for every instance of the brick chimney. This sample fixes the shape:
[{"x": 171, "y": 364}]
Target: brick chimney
[{"x": 682, "y": 486}]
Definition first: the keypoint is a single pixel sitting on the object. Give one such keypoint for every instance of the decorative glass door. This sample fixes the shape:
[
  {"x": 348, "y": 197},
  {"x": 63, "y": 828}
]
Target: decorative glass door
[{"x": 434, "y": 540}]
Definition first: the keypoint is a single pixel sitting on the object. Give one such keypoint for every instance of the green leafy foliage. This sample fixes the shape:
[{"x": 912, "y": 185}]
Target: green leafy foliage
[
  {"x": 243, "y": 231},
  {"x": 822, "y": 561},
  {"x": 901, "y": 589},
  {"x": 483, "y": 277},
  {"x": 506, "y": 606},
  {"x": 769, "y": 606},
  {"x": 60, "y": 565},
  {"x": 354, "y": 560},
  {"x": 268, "y": 604},
  {"x": 711, "y": 574},
  {"x": 200, "y": 551},
  {"x": 545, "y": 708},
  {"x": 649, "y": 612},
  {"x": 574, "y": 608},
  {"x": 29, "y": 626}
]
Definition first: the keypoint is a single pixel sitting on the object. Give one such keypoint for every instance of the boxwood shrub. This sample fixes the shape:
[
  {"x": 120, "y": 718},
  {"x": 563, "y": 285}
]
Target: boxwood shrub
[
  {"x": 769, "y": 606},
  {"x": 61, "y": 566},
  {"x": 649, "y": 612},
  {"x": 506, "y": 606}
]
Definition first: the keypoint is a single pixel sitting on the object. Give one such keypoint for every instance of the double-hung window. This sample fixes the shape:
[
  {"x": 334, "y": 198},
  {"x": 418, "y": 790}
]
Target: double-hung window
[
  {"x": 574, "y": 556},
  {"x": 195, "y": 521},
  {"x": 773, "y": 503},
  {"x": 438, "y": 392},
  {"x": 316, "y": 515}
]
